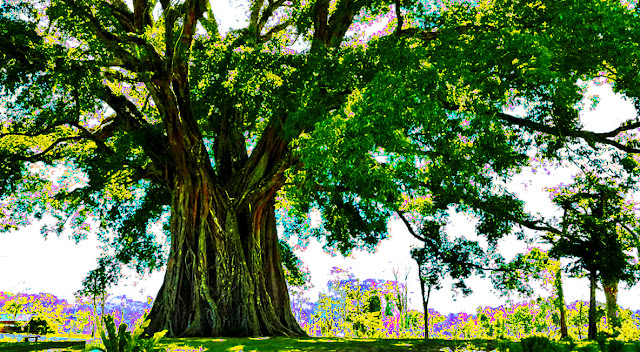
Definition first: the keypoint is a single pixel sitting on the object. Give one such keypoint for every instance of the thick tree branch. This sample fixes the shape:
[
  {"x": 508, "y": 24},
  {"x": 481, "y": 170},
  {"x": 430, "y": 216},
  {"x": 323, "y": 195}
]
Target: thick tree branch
[
  {"x": 409, "y": 227},
  {"x": 256, "y": 6},
  {"x": 602, "y": 138},
  {"x": 122, "y": 14},
  {"x": 141, "y": 15},
  {"x": 192, "y": 11},
  {"x": 320, "y": 25}
]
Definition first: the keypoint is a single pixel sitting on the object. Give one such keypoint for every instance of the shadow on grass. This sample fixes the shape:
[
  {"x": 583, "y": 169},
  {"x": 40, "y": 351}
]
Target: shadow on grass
[
  {"x": 319, "y": 344},
  {"x": 40, "y": 346}
]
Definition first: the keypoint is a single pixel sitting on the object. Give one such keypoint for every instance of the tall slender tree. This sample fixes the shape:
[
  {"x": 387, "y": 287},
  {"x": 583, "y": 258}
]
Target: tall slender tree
[{"x": 155, "y": 111}]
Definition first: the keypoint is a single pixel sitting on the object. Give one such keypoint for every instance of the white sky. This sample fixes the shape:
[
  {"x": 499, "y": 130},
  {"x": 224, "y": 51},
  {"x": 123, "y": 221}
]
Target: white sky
[{"x": 28, "y": 263}]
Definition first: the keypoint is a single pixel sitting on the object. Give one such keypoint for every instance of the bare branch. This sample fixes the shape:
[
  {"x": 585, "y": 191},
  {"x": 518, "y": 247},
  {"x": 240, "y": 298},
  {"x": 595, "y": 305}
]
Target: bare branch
[
  {"x": 53, "y": 145},
  {"x": 280, "y": 27},
  {"x": 267, "y": 13}
]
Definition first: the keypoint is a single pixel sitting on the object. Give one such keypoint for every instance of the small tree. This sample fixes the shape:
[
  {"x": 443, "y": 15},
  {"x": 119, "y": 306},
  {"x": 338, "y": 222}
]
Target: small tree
[
  {"x": 441, "y": 256},
  {"x": 534, "y": 265},
  {"x": 15, "y": 306},
  {"x": 401, "y": 297},
  {"x": 430, "y": 275},
  {"x": 95, "y": 287}
]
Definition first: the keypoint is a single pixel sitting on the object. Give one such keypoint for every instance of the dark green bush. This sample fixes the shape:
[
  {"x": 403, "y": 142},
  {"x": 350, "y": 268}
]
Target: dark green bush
[
  {"x": 588, "y": 348},
  {"x": 537, "y": 344},
  {"x": 615, "y": 346},
  {"x": 601, "y": 339}
]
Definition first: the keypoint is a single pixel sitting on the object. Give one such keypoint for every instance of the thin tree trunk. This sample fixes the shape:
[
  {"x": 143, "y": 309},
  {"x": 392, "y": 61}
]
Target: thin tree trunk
[
  {"x": 560, "y": 304},
  {"x": 611, "y": 295},
  {"x": 425, "y": 304},
  {"x": 593, "y": 324},
  {"x": 580, "y": 321},
  {"x": 95, "y": 317},
  {"x": 426, "y": 314}
]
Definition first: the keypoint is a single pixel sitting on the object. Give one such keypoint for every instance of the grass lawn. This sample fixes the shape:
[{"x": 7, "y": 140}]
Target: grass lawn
[
  {"x": 277, "y": 344},
  {"x": 318, "y": 344}
]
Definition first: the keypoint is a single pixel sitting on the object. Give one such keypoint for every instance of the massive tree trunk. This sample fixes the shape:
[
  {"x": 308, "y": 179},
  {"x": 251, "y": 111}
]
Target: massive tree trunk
[
  {"x": 611, "y": 294},
  {"x": 224, "y": 275},
  {"x": 593, "y": 322}
]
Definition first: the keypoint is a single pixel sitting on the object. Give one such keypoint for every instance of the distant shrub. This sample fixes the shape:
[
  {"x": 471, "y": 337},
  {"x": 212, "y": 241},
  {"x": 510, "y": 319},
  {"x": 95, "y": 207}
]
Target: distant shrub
[{"x": 38, "y": 325}]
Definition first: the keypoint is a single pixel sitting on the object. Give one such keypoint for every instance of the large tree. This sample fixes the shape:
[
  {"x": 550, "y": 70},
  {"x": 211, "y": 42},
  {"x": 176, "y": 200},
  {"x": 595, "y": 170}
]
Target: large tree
[{"x": 156, "y": 111}]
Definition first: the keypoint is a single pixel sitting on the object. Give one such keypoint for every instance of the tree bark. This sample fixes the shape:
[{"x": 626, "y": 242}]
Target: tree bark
[
  {"x": 593, "y": 323},
  {"x": 224, "y": 275},
  {"x": 611, "y": 294}
]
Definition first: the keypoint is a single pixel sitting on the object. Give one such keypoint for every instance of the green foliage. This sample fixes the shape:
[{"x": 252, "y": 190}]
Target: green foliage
[
  {"x": 597, "y": 227},
  {"x": 15, "y": 306},
  {"x": 294, "y": 273},
  {"x": 125, "y": 341}
]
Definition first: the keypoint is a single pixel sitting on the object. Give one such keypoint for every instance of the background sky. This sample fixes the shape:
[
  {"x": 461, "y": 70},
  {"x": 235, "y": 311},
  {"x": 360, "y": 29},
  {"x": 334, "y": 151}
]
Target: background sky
[{"x": 31, "y": 264}]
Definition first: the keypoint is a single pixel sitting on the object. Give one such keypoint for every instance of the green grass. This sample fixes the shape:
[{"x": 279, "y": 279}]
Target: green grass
[{"x": 324, "y": 345}]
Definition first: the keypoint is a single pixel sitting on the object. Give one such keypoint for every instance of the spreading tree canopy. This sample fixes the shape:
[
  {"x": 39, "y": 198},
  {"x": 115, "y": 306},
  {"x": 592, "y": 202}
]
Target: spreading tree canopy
[{"x": 154, "y": 112}]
